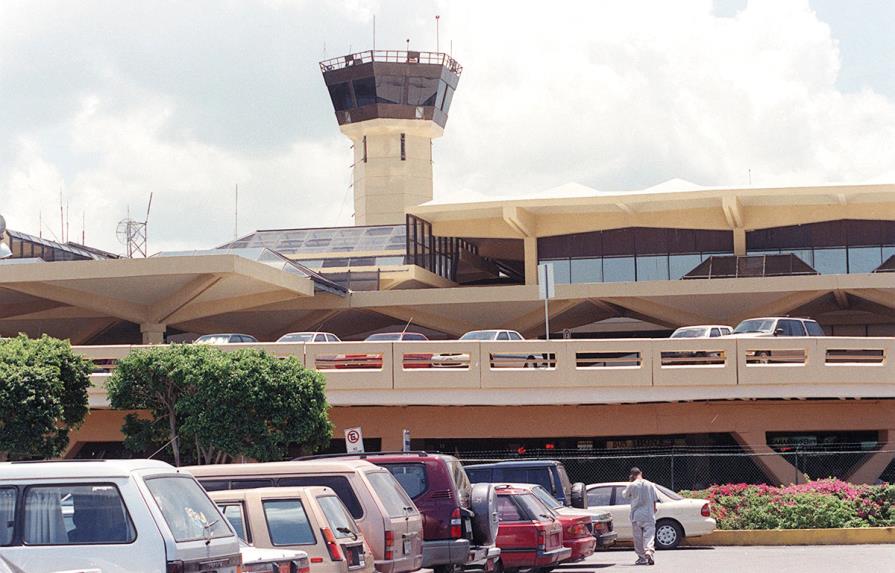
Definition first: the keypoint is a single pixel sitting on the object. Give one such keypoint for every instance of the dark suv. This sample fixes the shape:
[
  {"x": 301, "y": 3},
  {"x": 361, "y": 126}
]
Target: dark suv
[
  {"x": 550, "y": 474},
  {"x": 459, "y": 518}
]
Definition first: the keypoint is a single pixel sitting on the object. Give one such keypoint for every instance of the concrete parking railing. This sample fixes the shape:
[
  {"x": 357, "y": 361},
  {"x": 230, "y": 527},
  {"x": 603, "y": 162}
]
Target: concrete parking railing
[{"x": 577, "y": 371}]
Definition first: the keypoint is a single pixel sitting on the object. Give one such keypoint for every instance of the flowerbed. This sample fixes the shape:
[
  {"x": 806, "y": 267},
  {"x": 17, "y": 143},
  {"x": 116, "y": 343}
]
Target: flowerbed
[{"x": 814, "y": 505}]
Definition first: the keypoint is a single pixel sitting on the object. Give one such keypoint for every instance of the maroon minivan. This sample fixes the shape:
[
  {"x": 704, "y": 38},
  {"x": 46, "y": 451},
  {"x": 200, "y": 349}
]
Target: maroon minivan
[{"x": 459, "y": 518}]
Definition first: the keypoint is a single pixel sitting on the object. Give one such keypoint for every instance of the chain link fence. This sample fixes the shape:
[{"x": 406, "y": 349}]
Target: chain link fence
[{"x": 692, "y": 468}]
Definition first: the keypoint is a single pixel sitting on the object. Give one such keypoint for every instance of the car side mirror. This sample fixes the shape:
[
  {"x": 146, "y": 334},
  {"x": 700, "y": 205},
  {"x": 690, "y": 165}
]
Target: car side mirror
[{"x": 778, "y": 331}]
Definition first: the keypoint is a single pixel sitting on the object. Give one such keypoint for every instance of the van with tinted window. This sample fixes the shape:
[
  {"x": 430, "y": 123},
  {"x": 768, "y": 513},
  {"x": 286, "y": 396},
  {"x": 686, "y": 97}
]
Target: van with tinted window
[
  {"x": 114, "y": 516},
  {"x": 309, "y": 519},
  {"x": 550, "y": 474},
  {"x": 390, "y": 522}
]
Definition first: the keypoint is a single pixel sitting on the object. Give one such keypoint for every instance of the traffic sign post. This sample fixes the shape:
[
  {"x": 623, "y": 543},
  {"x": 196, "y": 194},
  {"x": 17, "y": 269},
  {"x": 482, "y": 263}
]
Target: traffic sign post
[
  {"x": 406, "y": 440},
  {"x": 546, "y": 291},
  {"x": 354, "y": 440}
]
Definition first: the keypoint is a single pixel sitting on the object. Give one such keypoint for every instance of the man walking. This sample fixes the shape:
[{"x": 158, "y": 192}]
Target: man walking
[{"x": 643, "y": 497}]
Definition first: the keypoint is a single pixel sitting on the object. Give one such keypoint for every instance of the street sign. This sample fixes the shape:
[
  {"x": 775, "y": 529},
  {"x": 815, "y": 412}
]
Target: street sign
[
  {"x": 546, "y": 283},
  {"x": 406, "y": 440},
  {"x": 354, "y": 440}
]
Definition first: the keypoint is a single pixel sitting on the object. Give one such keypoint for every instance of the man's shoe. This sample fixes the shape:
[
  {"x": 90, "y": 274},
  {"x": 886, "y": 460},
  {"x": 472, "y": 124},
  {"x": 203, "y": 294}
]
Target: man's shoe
[
  {"x": 649, "y": 560},
  {"x": 641, "y": 561}
]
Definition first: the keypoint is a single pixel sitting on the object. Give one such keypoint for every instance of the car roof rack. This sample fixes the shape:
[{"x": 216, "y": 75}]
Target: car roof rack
[
  {"x": 66, "y": 461},
  {"x": 362, "y": 455}
]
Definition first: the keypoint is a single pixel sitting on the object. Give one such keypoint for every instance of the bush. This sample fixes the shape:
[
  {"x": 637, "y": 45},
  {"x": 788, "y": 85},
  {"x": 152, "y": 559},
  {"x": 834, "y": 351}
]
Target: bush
[{"x": 814, "y": 505}]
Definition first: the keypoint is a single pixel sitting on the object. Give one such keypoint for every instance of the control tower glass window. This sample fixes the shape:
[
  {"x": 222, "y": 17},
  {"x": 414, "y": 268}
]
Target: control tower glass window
[
  {"x": 422, "y": 91},
  {"x": 365, "y": 91},
  {"x": 448, "y": 96},
  {"x": 390, "y": 89},
  {"x": 341, "y": 96}
]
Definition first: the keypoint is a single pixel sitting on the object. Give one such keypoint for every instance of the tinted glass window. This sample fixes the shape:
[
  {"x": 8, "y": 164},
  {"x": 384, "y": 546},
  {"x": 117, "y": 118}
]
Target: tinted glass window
[
  {"x": 715, "y": 332},
  {"x": 791, "y": 327},
  {"x": 364, "y": 91},
  {"x": 652, "y": 268},
  {"x": 562, "y": 273},
  {"x": 414, "y": 336},
  {"x": 389, "y": 492},
  {"x": 587, "y": 270},
  {"x": 448, "y": 96},
  {"x": 599, "y": 496},
  {"x": 422, "y": 91},
  {"x": 439, "y": 97},
  {"x": 186, "y": 508},
  {"x": 250, "y": 483},
  {"x": 479, "y": 475},
  {"x": 619, "y": 499},
  {"x": 864, "y": 259},
  {"x": 75, "y": 514},
  {"x": 679, "y": 265},
  {"x": 754, "y": 325},
  {"x": 507, "y": 510},
  {"x": 515, "y": 336},
  {"x": 511, "y": 475},
  {"x": 412, "y": 477},
  {"x": 320, "y": 338},
  {"x": 215, "y": 485},
  {"x": 390, "y": 89},
  {"x": 300, "y": 337},
  {"x": 8, "y": 497},
  {"x": 503, "y": 336},
  {"x": 618, "y": 269},
  {"x": 338, "y": 484},
  {"x": 336, "y": 514},
  {"x": 461, "y": 479},
  {"x": 830, "y": 261},
  {"x": 287, "y": 522},
  {"x": 546, "y": 498},
  {"x": 234, "y": 515},
  {"x": 532, "y": 506},
  {"x": 814, "y": 329},
  {"x": 340, "y": 94}
]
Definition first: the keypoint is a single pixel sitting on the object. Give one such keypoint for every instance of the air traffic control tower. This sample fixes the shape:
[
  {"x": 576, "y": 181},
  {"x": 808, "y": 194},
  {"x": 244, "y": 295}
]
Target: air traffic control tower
[{"x": 392, "y": 104}]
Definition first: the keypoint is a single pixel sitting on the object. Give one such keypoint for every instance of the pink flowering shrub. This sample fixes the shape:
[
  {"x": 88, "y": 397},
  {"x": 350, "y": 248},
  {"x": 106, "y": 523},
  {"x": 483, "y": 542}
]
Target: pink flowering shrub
[{"x": 814, "y": 505}]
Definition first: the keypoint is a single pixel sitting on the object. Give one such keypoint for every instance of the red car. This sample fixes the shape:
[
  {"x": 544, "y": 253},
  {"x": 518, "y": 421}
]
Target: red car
[
  {"x": 577, "y": 537},
  {"x": 529, "y": 535}
]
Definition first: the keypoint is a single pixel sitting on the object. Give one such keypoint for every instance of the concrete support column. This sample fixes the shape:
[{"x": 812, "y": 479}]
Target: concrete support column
[
  {"x": 777, "y": 468},
  {"x": 872, "y": 466},
  {"x": 739, "y": 242},
  {"x": 531, "y": 260},
  {"x": 153, "y": 333}
]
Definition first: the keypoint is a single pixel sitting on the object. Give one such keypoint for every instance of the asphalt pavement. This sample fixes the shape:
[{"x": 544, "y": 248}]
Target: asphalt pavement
[{"x": 796, "y": 559}]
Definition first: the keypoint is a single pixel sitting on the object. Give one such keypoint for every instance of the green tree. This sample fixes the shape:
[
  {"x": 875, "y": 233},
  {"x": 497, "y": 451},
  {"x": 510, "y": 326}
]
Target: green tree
[
  {"x": 43, "y": 395},
  {"x": 211, "y": 405}
]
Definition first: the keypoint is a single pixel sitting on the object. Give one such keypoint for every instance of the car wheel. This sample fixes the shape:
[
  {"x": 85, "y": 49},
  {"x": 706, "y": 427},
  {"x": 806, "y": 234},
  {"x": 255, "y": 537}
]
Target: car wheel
[
  {"x": 763, "y": 357},
  {"x": 483, "y": 503},
  {"x": 669, "y": 534}
]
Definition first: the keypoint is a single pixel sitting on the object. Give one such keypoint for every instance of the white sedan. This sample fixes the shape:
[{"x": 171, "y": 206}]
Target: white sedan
[{"x": 677, "y": 517}]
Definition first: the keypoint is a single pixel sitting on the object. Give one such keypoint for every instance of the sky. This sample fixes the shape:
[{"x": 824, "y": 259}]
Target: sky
[{"x": 105, "y": 102}]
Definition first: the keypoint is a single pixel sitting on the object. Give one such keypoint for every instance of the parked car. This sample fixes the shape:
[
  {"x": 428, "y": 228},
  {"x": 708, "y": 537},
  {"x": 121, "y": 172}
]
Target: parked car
[
  {"x": 530, "y": 535},
  {"x": 255, "y": 559},
  {"x": 677, "y": 517},
  {"x": 374, "y": 361},
  {"x": 309, "y": 337},
  {"x": 551, "y": 474},
  {"x": 459, "y": 518},
  {"x": 703, "y": 331},
  {"x": 390, "y": 523},
  {"x": 600, "y": 526},
  {"x": 311, "y": 519},
  {"x": 226, "y": 338},
  {"x": 120, "y": 515},
  {"x": 776, "y": 326},
  {"x": 461, "y": 360}
]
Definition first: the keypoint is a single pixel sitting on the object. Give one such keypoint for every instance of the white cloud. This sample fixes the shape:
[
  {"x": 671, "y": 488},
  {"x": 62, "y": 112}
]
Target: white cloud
[{"x": 111, "y": 103}]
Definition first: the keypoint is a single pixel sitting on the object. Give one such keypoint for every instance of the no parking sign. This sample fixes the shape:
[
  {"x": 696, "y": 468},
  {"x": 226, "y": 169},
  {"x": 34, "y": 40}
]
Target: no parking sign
[{"x": 354, "y": 440}]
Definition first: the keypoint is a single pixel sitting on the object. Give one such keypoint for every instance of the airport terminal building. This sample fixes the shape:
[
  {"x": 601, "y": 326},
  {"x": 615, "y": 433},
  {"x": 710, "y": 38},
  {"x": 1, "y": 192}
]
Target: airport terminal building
[{"x": 629, "y": 266}]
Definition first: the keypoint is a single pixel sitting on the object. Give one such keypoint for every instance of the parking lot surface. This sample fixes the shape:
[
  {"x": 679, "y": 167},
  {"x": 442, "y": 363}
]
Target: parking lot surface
[{"x": 832, "y": 558}]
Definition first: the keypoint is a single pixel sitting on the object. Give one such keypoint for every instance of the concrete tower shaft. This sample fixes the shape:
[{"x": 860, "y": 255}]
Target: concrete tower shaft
[{"x": 391, "y": 104}]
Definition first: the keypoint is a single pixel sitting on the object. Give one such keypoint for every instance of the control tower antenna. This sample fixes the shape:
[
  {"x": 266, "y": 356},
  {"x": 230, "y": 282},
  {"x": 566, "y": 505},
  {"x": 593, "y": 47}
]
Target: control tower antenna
[
  {"x": 374, "y": 32},
  {"x": 391, "y": 104},
  {"x": 437, "y": 43}
]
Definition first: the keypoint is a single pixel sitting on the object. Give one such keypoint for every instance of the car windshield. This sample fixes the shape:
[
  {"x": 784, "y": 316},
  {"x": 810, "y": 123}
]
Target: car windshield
[
  {"x": 688, "y": 333},
  {"x": 534, "y": 507},
  {"x": 393, "y": 498},
  {"x": 670, "y": 494},
  {"x": 186, "y": 508},
  {"x": 213, "y": 339},
  {"x": 340, "y": 522},
  {"x": 297, "y": 337},
  {"x": 754, "y": 325},
  {"x": 546, "y": 498},
  {"x": 480, "y": 335}
]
